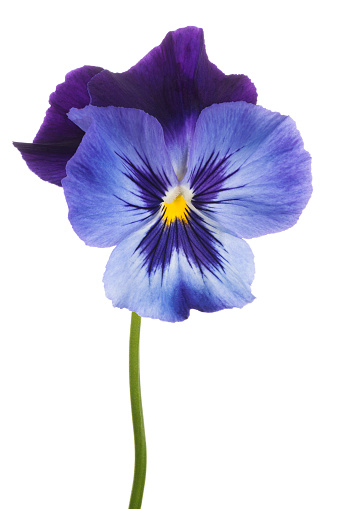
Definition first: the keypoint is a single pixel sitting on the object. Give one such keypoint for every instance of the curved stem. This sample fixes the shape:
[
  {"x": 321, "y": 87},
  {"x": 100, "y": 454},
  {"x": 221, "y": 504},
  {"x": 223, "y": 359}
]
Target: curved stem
[{"x": 137, "y": 415}]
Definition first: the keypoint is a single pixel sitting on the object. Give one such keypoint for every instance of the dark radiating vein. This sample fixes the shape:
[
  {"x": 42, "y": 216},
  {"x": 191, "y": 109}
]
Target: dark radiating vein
[
  {"x": 193, "y": 238},
  {"x": 209, "y": 178}
]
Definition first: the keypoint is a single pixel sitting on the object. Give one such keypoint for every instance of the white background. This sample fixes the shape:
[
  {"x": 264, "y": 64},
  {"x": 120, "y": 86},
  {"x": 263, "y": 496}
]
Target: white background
[{"x": 241, "y": 406}]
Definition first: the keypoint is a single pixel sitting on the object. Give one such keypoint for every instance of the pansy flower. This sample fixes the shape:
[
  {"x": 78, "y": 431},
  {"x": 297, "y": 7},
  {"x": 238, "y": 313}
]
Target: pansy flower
[{"x": 177, "y": 165}]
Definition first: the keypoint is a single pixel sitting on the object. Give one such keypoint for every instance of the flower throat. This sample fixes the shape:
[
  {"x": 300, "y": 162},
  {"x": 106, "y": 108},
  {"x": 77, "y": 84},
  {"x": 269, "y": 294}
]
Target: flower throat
[{"x": 177, "y": 209}]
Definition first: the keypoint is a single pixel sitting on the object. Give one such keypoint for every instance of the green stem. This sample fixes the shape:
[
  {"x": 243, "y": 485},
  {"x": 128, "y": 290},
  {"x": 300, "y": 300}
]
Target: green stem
[{"x": 137, "y": 416}]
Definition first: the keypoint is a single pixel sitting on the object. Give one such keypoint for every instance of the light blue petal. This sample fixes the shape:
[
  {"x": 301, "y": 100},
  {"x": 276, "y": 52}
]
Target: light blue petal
[
  {"x": 248, "y": 169},
  {"x": 119, "y": 175},
  {"x": 162, "y": 274}
]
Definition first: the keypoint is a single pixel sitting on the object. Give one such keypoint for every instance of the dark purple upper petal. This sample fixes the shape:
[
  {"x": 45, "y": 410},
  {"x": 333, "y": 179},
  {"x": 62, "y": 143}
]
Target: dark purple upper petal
[
  {"x": 58, "y": 138},
  {"x": 173, "y": 83}
]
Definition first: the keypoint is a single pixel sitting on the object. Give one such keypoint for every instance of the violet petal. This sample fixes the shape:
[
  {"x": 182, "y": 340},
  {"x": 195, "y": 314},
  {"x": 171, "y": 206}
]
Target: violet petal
[
  {"x": 58, "y": 137},
  {"x": 174, "y": 82}
]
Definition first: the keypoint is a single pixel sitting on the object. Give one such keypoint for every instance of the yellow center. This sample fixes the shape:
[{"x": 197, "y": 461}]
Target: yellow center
[{"x": 175, "y": 210}]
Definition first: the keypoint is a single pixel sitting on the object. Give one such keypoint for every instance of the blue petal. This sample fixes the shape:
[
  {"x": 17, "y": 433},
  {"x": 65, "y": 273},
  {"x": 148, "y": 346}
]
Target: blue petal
[
  {"x": 248, "y": 169},
  {"x": 163, "y": 271},
  {"x": 119, "y": 175}
]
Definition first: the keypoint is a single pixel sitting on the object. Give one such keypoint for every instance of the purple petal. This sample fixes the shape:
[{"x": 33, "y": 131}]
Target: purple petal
[
  {"x": 173, "y": 83},
  {"x": 70, "y": 94},
  {"x": 58, "y": 138},
  {"x": 48, "y": 160}
]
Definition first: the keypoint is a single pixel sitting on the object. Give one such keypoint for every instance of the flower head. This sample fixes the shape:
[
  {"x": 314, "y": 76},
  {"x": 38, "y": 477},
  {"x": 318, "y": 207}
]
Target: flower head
[{"x": 177, "y": 165}]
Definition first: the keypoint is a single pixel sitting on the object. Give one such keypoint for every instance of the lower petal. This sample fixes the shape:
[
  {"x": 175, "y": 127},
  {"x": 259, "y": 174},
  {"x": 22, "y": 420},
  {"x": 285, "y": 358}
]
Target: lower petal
[{"x": 164, "y": 272}]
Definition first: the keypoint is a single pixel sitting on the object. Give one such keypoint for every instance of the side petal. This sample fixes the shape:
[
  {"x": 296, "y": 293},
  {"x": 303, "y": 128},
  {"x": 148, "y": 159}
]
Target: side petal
[
  {"x": 119, "y": 175},
  {"x": 48, "y": 160},
  {"x": 173, "y": 83},
  {"x": 165, "y": 271},
  {"x": 248, "y": 169},
  {"x": 58, "y": 138}
]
